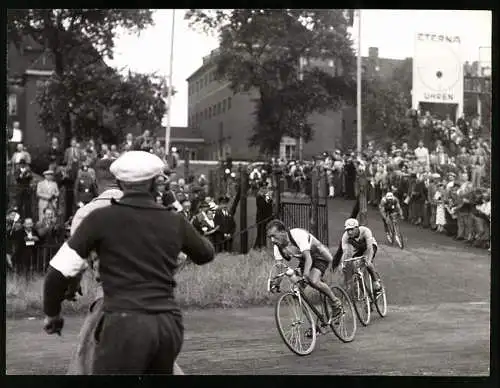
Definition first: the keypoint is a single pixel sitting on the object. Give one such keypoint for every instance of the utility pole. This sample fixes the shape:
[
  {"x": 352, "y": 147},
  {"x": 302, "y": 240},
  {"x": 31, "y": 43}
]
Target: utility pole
[
  {"x": 170, "y": 89},
  {"x": 358, "y": 81},
  {"x": 301, "y": 137}
]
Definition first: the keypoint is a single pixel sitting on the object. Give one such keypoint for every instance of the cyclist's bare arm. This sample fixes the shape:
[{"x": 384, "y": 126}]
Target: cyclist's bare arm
[
  {"x": 369, "y": 244},
  {"x": 346, "y": 247},
  {"x": 307, "y": 262}
]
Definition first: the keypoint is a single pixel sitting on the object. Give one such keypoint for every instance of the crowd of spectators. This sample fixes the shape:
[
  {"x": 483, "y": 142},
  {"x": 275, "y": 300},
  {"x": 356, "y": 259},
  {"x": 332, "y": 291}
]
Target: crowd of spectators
[
  {"x": 40, "y": 209},
  {"x": 445, "y": 188}
]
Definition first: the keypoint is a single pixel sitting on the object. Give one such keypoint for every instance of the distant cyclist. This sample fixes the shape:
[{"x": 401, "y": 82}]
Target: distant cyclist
[
  {"x": 314, "y": 257},
  {"x": 388, "y": 206},
  {"x": 359, "y": 241}
]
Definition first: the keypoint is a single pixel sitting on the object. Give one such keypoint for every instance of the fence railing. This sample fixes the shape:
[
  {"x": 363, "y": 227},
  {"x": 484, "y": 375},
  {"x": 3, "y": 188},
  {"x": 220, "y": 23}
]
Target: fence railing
[{"x": 34, "y": 262}]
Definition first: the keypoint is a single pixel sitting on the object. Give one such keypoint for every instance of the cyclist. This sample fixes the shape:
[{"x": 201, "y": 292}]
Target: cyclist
[
  {"x": 359, "y": 241},
  {"x": 389, "y": 204},
  {"x": 314, "y": 257}
]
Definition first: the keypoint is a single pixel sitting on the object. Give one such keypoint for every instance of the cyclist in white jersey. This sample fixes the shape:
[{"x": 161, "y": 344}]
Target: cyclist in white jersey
[
  {"x": 359, "y": 241},
  {"x": 314, "y": 257}
]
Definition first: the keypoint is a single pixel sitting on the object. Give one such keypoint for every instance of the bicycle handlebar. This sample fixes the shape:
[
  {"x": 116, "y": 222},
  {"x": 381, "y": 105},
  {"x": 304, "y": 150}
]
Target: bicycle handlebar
[{"x": 354, "y": 259}]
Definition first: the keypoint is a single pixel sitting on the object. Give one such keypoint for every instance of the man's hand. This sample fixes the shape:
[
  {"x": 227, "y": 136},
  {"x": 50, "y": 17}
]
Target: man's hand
[{"x": 53, "y": 325}]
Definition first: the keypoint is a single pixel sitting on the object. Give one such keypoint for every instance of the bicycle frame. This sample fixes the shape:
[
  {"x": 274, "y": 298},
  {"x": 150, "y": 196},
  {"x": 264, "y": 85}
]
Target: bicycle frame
[{"x": 297, "y": 290}]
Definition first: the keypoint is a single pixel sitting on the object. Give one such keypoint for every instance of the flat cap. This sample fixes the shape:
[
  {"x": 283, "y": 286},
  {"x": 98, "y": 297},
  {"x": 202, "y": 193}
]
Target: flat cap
[{"x": 137, "y": 166}]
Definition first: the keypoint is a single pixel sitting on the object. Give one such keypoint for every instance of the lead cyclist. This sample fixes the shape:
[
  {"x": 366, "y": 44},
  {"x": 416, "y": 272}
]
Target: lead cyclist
[{"x": 314, "y": 257}]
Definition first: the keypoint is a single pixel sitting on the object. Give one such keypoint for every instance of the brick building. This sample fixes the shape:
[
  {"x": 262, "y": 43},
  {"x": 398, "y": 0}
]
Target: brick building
[
  {"x": 28, "y": 66},
  {"x": 225, "y": 119}
]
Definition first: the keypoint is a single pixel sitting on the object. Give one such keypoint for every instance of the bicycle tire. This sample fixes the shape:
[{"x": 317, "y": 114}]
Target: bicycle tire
[
  {"x": 360, "y": 299},
  {"x": 381, "y": 300},
  {"x": 390, "y": 235},
  {"x": 348, "y": 314},
  {"x": 304, "y": 309},
  {"x": 397, "y": 233}
]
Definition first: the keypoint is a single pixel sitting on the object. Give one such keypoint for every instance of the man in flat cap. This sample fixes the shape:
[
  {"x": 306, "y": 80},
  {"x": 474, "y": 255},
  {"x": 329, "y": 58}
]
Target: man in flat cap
[{"x": 141, "y": 329}]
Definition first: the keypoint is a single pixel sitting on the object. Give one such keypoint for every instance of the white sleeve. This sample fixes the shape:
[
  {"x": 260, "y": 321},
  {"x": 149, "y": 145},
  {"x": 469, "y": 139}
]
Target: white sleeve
[
  {"x": 277, "y": 253},
  {"x": 302, "y": 238}
]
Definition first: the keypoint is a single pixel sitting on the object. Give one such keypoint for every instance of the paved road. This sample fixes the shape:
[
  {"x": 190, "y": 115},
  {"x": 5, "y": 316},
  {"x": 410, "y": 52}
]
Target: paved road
[{"x": 438, "y": 322}]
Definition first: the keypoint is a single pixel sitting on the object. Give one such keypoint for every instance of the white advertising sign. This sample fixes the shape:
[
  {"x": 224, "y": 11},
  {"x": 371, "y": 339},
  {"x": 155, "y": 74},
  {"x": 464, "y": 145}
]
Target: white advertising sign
[{"x": 437, "y": 70}]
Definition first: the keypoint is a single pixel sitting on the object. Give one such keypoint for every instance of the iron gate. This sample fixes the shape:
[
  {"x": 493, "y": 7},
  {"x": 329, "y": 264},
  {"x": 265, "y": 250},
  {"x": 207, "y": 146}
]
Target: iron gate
[{"x": 297, "y": 214}]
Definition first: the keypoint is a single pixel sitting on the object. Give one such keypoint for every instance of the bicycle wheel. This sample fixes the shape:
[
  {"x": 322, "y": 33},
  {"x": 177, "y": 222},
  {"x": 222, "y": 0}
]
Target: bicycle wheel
[
  {"x": 398, "y": 237},
  {"x": 360, "y": 299},
  {"x": 380, "y": 299},
  {"x": 344, "y": 327},
  {"x": 294, "y": 319},
  {"x": 390, "y": 233}
]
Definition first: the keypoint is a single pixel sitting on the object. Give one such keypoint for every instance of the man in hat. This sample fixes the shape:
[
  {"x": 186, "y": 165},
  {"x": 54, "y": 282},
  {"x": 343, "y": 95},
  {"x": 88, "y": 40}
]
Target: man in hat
[
  {"x": 47, "y": 193},
  {"x": 137, "y": 263},
  {"x": 24, "y": 178},
  {"x": 224, "y": 219}
]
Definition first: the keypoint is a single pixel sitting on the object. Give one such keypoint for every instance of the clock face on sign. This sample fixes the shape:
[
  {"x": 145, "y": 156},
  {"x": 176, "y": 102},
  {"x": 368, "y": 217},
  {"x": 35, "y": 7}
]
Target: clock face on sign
[{"x": 442, "y": 69}]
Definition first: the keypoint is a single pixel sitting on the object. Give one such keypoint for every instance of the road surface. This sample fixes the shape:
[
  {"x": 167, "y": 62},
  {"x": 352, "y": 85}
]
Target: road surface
[{"x": 438, "y": 322}]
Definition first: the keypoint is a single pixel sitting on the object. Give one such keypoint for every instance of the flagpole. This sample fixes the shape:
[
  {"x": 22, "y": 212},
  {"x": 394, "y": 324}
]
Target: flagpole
[
  {"x": 358, "y": 81},
  {"x": 170, "y": 88}
]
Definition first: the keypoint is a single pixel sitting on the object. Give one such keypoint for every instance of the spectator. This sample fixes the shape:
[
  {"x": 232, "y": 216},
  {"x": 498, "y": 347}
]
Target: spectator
[
  {"x": 47, "y": 193},
  {"x": 481, "y": 215},
  {"x": 422, "y": 154},
  {"x": 56, "y": 154},
  {"x": 264, "y": 204},
  {"x": 226, "y": 226},
  {"x": 114, "y": 151},
  {"x": 439, "y": 197},
  {"x": 128, "y": 144},
  {"x": 25, "y": 243},
  {"x": 24, "y": 177},
  {"x": 72, "y": 157},
  {"x": 13, "y": 224},
  {"x": 464, "y": 220},
  {"x": 85, "y": 188},
  {"x": 478, "y": 167},
  {"x": 144, "y": 142},
  {"x": 48, "y": 229},
  {"x": 19, "y": 155},
  {"x": 186, "y": 209}
]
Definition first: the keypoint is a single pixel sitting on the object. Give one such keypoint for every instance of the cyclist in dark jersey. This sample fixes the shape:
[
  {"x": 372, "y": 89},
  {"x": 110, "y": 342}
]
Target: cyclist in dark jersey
[{"x": 389, "y": 205}]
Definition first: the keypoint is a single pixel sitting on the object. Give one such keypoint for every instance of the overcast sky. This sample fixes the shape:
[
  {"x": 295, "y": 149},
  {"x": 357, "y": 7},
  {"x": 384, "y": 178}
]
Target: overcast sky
[{"x": 392, "y": 31}]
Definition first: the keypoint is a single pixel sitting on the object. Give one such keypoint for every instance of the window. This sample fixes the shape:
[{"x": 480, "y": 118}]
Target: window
[
  {"x": 214, "y": 110},
  {"x": 193, "y": 154},
  {"x": 12, "y": 104},
  {"x": 223, "y": 105},
  {"x": 206, "y": 79},
  {"x": 206, "y": 113},
  {"x": 219, "y": 108},
  {"x": 228, "y": 103},
  {"x": 197, "y": 87},
  {"x": 209, "y": 112}
]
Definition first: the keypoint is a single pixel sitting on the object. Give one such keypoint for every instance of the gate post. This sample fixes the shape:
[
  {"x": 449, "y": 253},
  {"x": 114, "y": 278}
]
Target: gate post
[
  {"x": 243, "y": 173},
  {"x": 314, "y": 202},
  {"x": 277, "y": 191}
]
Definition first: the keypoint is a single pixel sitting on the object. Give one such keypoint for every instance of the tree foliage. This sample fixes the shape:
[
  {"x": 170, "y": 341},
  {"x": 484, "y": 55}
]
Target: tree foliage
[
  {"x": 78, "y": 40},
  {"x": 260, "y": 49},
  {"x": 385, "y": 105}
]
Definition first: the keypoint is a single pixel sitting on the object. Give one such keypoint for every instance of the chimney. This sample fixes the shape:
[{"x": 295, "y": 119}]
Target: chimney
[{"x": 373, "y": 52}]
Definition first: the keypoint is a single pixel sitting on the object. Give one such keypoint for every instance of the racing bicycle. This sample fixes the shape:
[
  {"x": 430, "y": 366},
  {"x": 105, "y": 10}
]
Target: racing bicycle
[
  {"x": 394, "y": 232},
  {"x": 294, "y": 312},
  {"x": 360, "y": 288}
]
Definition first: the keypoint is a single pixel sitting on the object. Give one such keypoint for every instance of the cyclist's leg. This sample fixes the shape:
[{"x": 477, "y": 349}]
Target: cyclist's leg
[
  {"x": 386, "y": 227},
  {"x": 315, "y": 281},
  {"x": 371, "y": 268}
]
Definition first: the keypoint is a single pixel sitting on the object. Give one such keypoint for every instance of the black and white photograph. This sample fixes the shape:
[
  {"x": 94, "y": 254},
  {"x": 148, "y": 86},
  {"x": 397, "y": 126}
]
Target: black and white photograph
[{"x": 248, "y": 192}]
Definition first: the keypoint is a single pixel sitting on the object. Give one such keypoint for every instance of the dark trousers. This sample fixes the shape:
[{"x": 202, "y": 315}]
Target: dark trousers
[
  {"x": 136, "y": 343},
  {"x": 24, "y": 202},
  {"x": 260, "y": 241}
]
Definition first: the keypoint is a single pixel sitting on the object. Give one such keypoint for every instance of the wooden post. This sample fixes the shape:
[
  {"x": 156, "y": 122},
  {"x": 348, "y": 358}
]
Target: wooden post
[
  {"x": 314, "y": 202},
  {"x": 277, "y": 191},
  {"x": 243, "y": 209},
  {"x": 186, "y": 163}
]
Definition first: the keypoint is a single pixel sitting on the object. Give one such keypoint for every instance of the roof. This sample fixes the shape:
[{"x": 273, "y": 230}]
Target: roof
[
  {"x": 387, "y": 66},
  {"x": 44, "y": 62},
  {"x": 208, "y": 62}
]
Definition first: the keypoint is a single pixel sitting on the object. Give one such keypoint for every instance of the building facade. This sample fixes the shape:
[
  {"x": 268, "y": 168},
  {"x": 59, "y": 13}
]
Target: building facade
[
  {"x": 225, "y": 119},
  {"x": 28, "y": 67}
]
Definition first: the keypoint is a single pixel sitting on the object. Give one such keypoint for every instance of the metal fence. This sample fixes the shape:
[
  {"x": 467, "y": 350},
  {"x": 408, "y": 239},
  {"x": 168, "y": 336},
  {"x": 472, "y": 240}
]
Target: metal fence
[
  {"x": 34, "y": 262},
  {"x": 298, "y": 215}
]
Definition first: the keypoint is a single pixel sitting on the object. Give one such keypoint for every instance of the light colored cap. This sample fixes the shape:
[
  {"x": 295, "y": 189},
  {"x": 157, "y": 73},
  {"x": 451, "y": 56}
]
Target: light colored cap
[
  {"x": 48, "y": 172},
  {"x": 351, "y": 223},
  {"x": 137, "y": 166}
]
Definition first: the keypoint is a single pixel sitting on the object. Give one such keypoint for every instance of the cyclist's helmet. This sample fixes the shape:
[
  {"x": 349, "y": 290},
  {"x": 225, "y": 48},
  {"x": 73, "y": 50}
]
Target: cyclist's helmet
[
  {"x": 389, "y": 195},
  {"x": 351, "y": 223}
]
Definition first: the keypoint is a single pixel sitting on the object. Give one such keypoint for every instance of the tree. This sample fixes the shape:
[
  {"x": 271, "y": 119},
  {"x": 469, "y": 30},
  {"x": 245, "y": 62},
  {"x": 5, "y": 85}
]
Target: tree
[
  {"x": 261, "y": 49},
  {"x": 76, "y": 38},
  {"x": 101, "y": 102},
  {"x": 385, "y": 106}
]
